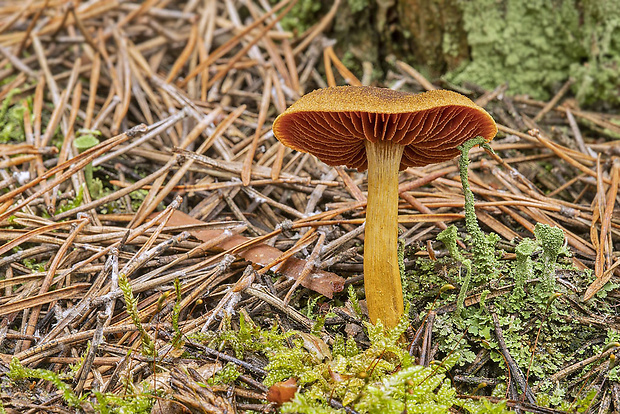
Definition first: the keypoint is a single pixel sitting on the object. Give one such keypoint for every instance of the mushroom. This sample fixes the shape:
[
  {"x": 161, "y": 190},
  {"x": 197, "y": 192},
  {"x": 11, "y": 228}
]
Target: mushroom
[{"x": 384, "y": 131}]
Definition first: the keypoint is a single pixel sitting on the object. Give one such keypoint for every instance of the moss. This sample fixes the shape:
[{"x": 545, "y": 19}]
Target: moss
[
  {"x": 227, "y": 375},
  {"x": 18, "y": 372},
  {"x": 380, "y": 379},
  {"x": 84, "y": 142},
  {"x": 302, "y": 16},
  {"x": 131, "y": 303},
  {"x": 532, "y": 313},
  {"x": 536, "y": 45},
  {"x": 11, "y": 120},
  {"x": 358, "y": 5}
]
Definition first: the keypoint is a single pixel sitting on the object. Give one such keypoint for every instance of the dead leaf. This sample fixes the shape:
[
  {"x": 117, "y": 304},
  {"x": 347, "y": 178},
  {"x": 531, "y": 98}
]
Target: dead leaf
[
  {"x": 325, "y": 283},
  {"x": 316, "y": 346},
  {"x": 282, "y": 391}
]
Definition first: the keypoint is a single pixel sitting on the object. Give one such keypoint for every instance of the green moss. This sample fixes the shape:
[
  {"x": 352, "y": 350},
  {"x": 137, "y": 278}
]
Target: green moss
[
  {"x": 113, "y": 404},
  {"x": 227, "y": 375},
  {"x": 18, "y": 372},
  {"x": 74, "y": 203},
  {"x": 382, "y": 378},
  {"x": 11, "y": 120},
  {"x": 535, "y": 45},
  {"x": 358, "y": 5},
  {"x": 131, "y": 303},
  {"x": 303, "y": 15}
]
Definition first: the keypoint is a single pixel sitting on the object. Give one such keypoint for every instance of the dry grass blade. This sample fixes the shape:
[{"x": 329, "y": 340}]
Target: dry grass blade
[
  {"x": 246, "y": 172},
  {"x": 43, "y": 298},
  {"x": 602, "y": 276}
]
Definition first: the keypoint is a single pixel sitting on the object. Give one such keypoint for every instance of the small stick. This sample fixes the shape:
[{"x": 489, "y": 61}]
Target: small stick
[
  {"x": 554, "y": 101},
  {"x": 409, "y": 70},
  {"x": 517, "y": 374},
  {"x": 185, "y": 54},
  {"x": 603, "y": 277},
  {"x": 229, "y": 45},
  {"x": 125, "y": 78},
  {"x": 426, "y": 340},
  {"x": 31, "y": 26},
  {"x": 577, "y": 134},
  {"x": 311, "y": 263},
  {"x": 292, "y": 67},
  {"x": 78, "y": 22},
  {"x": 40, "y": 53},
  {"x": 47, "y": 281},
  {"x": 329, "y": 72},
  {"x": 92, "y": 90},
  {"x": 18, "y": 63},
  {"x": 489, "y": 96},
  {"x": 318, "y": 28},
  {"x": 348, "y": 76},
  {"x": 68, "y": 141},
  {"x": 246, "y": 171},
  {"x": 276, "y": 167},
  {"x": 97, "y": 340},
  {"x": 354, "y": 190}
]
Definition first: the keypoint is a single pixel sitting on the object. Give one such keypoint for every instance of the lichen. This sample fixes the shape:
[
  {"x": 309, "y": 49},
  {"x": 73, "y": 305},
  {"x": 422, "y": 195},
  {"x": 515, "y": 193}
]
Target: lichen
[
  {"x": 449, "y": 237},
  {"x": 551, "y": 239},
  {"x": 534, "y": 313},
  {"x": 536, "y": 45},
  {"x": 483, "y": 246},
  {"x": 523, "y": 269}
]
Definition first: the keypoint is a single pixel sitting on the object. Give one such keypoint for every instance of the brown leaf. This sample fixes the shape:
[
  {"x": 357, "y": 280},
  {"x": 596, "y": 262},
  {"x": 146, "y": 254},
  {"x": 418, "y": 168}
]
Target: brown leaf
[
  {"x": 325, "y": 283},
  {"x": 282, "y": 391},
  {"x": 163, "y": 406}
]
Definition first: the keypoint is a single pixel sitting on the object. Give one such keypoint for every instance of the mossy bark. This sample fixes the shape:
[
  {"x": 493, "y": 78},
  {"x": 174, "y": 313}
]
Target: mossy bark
[
  {"x": 436, "y": 37},
  {"x": 533, "y": 46},
  {"x": 427, "y": 32}
]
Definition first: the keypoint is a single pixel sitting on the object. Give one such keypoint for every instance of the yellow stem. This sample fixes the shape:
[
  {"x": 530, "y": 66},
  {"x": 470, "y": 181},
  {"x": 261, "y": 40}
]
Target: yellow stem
[{"x": 384, "y": 293}]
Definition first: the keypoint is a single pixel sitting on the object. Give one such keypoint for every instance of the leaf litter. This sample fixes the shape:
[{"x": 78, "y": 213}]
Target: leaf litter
[{"x": 200, "y": 218}]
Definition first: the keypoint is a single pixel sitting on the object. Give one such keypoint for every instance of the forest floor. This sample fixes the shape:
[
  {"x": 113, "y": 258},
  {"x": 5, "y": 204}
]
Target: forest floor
[{"x": 161, "y": 251}]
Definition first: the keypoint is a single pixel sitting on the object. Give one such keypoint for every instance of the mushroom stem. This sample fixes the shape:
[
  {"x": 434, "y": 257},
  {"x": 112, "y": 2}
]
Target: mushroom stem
[{"x": 384, "y": 293}]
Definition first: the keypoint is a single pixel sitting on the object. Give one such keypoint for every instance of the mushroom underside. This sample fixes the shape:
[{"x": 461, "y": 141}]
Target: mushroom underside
[{"x": 337, "y": 138}]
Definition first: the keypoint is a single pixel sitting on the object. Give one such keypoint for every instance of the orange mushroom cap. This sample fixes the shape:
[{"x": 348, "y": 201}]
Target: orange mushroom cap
[{"x": 333, "y": 123}]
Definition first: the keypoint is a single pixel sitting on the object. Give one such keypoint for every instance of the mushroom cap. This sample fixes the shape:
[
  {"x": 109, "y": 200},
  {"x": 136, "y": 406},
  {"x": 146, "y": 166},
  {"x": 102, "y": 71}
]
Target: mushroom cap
[{"x": 333, "y": 123}]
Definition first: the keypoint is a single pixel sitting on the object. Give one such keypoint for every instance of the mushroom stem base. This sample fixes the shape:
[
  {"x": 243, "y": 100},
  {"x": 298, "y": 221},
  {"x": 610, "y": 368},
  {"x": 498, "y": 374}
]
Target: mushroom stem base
[{"x": 384, "y": 293}]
